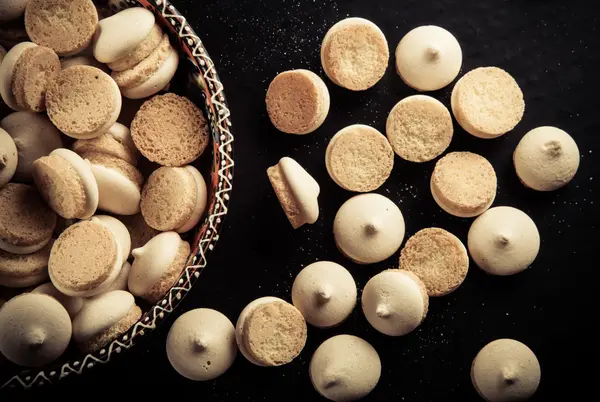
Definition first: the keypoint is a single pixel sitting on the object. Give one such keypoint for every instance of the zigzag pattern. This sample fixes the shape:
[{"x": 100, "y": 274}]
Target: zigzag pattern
[{"x": 191, "y": 273}]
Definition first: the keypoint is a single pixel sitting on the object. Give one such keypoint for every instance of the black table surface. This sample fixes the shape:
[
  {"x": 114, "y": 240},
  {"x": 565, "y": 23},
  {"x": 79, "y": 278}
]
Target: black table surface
[{"x": 552, "y": 48}]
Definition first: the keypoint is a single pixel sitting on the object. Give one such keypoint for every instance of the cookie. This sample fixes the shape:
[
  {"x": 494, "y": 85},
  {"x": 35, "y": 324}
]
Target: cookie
[
  {"x": 138, "y": 229},
  {"x": 419, "y": 128},
  {"x": 80, "y": 60},
  {"x": 487, "y": 102},
  {"x": 178, "y": 116},
  {"x": 119, "y": 183},
  {"x": 120, "y": 33},
  {"x": 36, "y": 330},
  {"x": 115, "y": 142},
  {"x": 8, "y": 158},
  {"x": 83, "y": 91},
  {"x": 119, "y": 231},
  {"x": 546, "y": 159},
  {"x": 355, "y": 54},
  {"x": 270, "y": 332},
  {"x": 296, "y": 190},
  {"x": 26, "y": 223},
  {"x": 85, "y": 259},
  {"x": 174, "y": 198},
  {"x": 65, "y": 26},
  {"x": 157, "y": 266},
  {"x": 72, "y": 304},
  {"x": 34, "y": 136},
  {"x": 297, "y": 102},
  {"x": 140, "y": 52},
  {"x": 7, "y": 69},
  {"x": 201, "y": 344},
  {"x": 463, "y": 184},
  {"x": 428, "y": 58},
  {"x": 359, "y": 158},
  {"x": 368, "y": 228},
  {"x": 24, "y": 270},
  {"x": 438, "y": 258},
  {"x": 67, "y": 184},
  {"x": 104, "y": 318},
  {"x": 156, "y": 82}
]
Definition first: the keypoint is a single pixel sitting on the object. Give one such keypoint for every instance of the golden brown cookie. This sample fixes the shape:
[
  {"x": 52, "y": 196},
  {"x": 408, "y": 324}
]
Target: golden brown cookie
[
  {"x": 24, "y": 270},
  {"x": 140, "y": 52},
  {"x": 37, "y": 67},
  {"x": 140, "y": 72}
]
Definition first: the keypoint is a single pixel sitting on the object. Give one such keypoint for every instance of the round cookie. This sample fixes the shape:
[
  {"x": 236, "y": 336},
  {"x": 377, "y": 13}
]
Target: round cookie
[
  {"x": 34, "y": 135},
  {"x": 487, "y": 102},
  {"x": 83, "y": 91},
  {"x": 73, "y": 305},
  {"x": 65, "y": 26},
  {"x": 355, "y": 54},
  {"x": 24, "y": 270},
  {"x": 67, "y": 184},
  {"x": 419, "y": 128},
  {"x": 345, "y": 368},
  {"x": 438, "y": 258},
  {"x": 119, "y": 183},
  {"x": 174, "y": 198},
  {"x": 463, "y": 184},
  {"x": 428, "y": 58},
  {"x": 119, "y": 231},
  {"x": 7, "y": 69},
  {"x": 120, "y": 33},
  {"x": 12, "y": 9},
  {"x": 26, "y": 223},
  {"x": 157, "y": 266},
  {"x": 297, "y": 102},
  {"x": 325, "y": 293},
  {"x": 104, "y": 318},
  {"x": 8, "y": 158},
  {"x": 140, "y": 52},
  {"x": 296, "y": 190},
  {"x": 156, "y": 82},
  {"x": 201, "y": 344},
  {"x": 36, "y": 330},
  {"x": 178, "y": 116},
  {"x": 368, "y": 228},
  {"x": 138, "y": 229},
  {"x": 505, "y": 370},
  {"x": 35, "y": 69},
  {"x": 546, "y": 158},
  {"x": 503, "y": 241},
  {"x": 395, "y": 302},
  {"x": 115, "y": 142},
  {"x": 85, "y": 259},
  {"x": 270, "y": 332},
  {"x": 359, "y": 158}
]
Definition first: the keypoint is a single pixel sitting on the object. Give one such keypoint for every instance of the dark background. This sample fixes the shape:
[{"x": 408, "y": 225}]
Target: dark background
[{"x": 552, "y": 48}]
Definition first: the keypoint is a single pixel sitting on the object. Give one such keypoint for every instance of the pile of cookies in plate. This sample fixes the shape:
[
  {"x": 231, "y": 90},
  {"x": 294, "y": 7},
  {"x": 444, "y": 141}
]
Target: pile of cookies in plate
[
  {"x": 86, "y": 237},
  {"x": 369, "y": 228}
]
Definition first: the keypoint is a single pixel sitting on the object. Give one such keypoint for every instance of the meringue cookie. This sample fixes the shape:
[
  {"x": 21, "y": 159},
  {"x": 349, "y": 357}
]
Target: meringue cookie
[
  {"x": 8, "y": 158},
  {"x": 368, "y": 228},
  {"x": 296, "y": 190},
  {"x": 503, "y": 241},
  {"x": 7, "y": 69},
  {"x": 395, "y": 302},
  {"x": 115, "y": 142},
  {"x": 72, "y": 304},
  {"x": 505, "y": 370},
  {"x": 103, "y": 318},
  {"x": 345, "y": 368},
  {"x": 428, "y": 58},
  {"x": 325, "y": 293},
  {"x": 546, "y": 158},
  {"x": 35, "y": 136},
  {"x": 201, "y": 344},
  {"x": 157, "y": 265},
  {"x": 120, "y": 33},
  {"x": 119, "y": 230},
  {"x": 35, "y": 329}
]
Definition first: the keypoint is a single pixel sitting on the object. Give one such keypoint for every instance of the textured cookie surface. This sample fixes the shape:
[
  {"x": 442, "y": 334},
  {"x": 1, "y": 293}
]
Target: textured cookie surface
[
  {"x": 178, "y": 116},
  {"x": 117, "y": 164},
  {"x": 83, "y": 100},
  {"x": 24, "y": 218},
  {"x": 168, "y": 198},
  {"x": 111, "y": 333},
  {"x": 36, "y": 68},
  {"x": 24, "y": 269},
  {"x": 66, "y": 26},
  {"x": 438, "y": 258},
  {"x": 275, "y": 333},
  {"x": 139, "y": 73},
  {"x": 138, "y": 229},
  {"x": 140, "y": 52},
  {"x": 168, "y": 279}
]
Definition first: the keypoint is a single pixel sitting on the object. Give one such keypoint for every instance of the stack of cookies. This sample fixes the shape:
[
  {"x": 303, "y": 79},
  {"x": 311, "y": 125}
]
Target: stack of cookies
[{"x": 85, "y": 236}]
